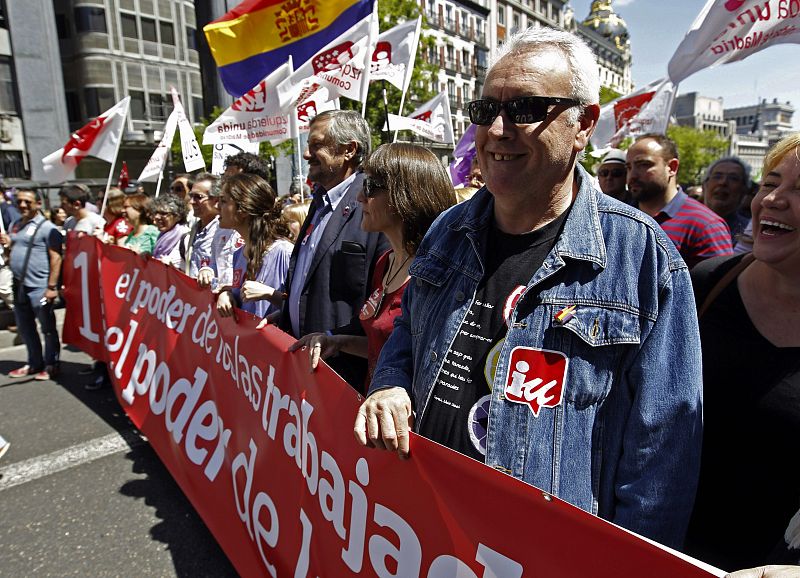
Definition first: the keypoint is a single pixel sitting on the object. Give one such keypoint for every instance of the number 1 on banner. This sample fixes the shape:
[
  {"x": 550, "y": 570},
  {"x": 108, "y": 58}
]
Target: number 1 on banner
[{"x": 81, "y": 263}]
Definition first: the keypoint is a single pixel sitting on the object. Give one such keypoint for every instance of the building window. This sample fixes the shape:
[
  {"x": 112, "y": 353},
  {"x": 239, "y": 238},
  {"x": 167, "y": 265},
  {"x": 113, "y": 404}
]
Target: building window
[
  {"x": 514, "y": 21},
  {"x": 501, "y": 15},
  {"x": 149, "y": 30},
  {"x": 197, "y": 109},
  {"x": 90, "y": 19},
  {"x": 98, "y": 100},
  {"x": 73, "y": 107},
  {"x": 191, "y": 38},
  {"x": 167, "y": 33},
  {"x": 8, "y": 103},
  {"x": 157, "y": 107},
  {"x": 61, "y": 26},
  {"x": 129, "y": 26},
  {"x": 138, "y": 111}
]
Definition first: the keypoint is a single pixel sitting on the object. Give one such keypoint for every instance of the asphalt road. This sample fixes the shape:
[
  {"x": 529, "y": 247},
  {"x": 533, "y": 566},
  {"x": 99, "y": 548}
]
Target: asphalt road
[{"x": 82, "y": 493}]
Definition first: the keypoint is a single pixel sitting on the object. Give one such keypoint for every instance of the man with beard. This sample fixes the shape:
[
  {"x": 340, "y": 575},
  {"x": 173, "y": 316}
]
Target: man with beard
[
  {"x": 727, "y": 182},
  {"x": 696, "y": 230}
]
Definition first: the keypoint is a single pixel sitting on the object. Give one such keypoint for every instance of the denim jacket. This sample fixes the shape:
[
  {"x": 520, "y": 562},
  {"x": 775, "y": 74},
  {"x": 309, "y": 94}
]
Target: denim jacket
[{"x": 625, "y": 441}]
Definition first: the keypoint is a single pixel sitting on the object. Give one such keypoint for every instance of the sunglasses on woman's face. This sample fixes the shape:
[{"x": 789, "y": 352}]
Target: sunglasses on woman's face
[{"x": 523, "y": 110}]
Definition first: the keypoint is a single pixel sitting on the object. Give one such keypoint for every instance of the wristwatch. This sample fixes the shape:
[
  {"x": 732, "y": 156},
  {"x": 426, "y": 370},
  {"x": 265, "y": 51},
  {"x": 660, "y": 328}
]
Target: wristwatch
[{"x": 52, "y": 287}]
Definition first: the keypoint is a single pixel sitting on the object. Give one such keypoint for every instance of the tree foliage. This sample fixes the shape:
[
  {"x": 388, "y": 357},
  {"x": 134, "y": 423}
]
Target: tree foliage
[{"x": 697, "y": 149}]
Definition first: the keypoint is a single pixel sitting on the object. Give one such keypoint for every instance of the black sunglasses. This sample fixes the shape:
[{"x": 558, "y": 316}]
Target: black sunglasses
[
  {"x": 524, "y": 110},
  {"x": 371, "y": 187},
  {"x": 616, "y": 173}
]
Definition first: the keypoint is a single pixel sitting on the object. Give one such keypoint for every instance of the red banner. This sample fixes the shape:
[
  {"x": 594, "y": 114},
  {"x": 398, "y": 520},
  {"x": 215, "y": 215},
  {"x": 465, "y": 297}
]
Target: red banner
[{"x": 264, "y": 450}]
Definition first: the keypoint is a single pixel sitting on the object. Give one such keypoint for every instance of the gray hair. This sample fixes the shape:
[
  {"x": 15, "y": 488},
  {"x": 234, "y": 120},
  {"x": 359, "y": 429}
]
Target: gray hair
[
  {"x": 585, "y": 77},
  {"x": 346, "y": 126},
  {"x": 735, "y": 160},
  {"x": 172, "y": 204}
]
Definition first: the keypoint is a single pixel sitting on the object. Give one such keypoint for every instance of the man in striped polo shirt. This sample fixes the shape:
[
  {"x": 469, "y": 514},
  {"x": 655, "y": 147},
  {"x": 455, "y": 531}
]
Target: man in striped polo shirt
[{"x": 696, "y": 230}]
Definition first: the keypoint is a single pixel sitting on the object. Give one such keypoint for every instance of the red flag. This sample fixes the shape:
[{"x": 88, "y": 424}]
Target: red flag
[{"x": 123, "y": 177}]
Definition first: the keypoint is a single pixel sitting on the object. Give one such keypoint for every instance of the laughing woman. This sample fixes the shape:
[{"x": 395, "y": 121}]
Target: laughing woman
[
  {"x": 750, "y": 331},
  {"x": 248, "y": 205},
  {"x": 405, "y": 189}
]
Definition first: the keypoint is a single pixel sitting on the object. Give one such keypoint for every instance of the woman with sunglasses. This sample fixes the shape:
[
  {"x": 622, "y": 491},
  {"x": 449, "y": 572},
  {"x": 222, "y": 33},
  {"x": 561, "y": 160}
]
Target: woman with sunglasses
[
  {"x": 405, "y": 189},
  {"x": 248, "y": 205},
  {"x": 169, "y": 216}
]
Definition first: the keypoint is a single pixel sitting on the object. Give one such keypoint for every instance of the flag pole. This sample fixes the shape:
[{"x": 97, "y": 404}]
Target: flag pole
[
  {"x": 116, "y": 153},
  {"x": 371, "y": 41},
  {"x": 385, "y": 108},
  {"x": 161, "y": 177},
  {"x": 295, "y": 132},
  {"x": 411, "y": 62}
]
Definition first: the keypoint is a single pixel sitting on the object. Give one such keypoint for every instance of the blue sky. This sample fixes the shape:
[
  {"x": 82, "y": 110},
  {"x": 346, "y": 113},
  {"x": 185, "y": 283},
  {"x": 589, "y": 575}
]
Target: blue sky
[{"x": 656, "y": 27}]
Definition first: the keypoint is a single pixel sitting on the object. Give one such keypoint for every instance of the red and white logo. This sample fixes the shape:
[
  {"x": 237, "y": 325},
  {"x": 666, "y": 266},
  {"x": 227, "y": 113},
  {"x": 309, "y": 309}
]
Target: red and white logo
[
  {"x": 536, "y": 377},
  {"x": 237, "y": 277},
  {"x": 333, "y": 58},
  {"x": 627, "y": 108},
  {"x": 82, "y": 140},
  {"x": 254, "y": 100},
  {"x": 424, "y": 116},
  {"x": 306, "y": 111}
]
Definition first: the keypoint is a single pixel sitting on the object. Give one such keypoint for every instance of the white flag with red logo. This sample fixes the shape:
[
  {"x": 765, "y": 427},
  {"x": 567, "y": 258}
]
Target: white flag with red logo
[
  {"x": 339, "y": 67},
  {"x": 645, "y": 111},
  {"x": 394, "y": 54},
  {"x": 431, "y": 120},
  {"x": 155, "y": 165},
  {"x": 255, "y": 116},
  {"x": 100, "y": 138},
  {"x": 310, "y": 108},
  {"x": 224, "y": 150},
  {"x": 731, "y": 30}
]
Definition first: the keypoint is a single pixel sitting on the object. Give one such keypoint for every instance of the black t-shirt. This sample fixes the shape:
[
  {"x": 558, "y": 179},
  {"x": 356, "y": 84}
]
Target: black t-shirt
[
  {"x": 751, "y": 411},
  {"x": 457, "y": 413}
]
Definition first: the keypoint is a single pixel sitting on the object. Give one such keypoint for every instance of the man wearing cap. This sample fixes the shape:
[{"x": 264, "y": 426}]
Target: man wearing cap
[
  {"x": 612, "y": 176},
  {"x": 534, "y": 328}
]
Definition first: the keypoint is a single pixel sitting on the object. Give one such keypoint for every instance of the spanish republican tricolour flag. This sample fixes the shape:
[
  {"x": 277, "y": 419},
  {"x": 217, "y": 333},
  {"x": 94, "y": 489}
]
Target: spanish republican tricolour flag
[{"x": 258, "y": 36}]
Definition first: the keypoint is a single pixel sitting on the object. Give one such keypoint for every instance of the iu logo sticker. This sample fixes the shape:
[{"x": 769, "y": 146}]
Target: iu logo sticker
[{"x": 536, "y": 377}]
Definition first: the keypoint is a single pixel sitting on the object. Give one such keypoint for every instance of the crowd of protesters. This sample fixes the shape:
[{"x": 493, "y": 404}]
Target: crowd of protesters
[{"x": 672, "y": 316}]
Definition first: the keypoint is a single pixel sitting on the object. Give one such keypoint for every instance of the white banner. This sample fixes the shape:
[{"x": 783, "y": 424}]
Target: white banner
[
  {"x": 311, "y": 108},
  {"x": 431, "y": 120},
  {"x": 645, "y": 111},
  {"x": 255, "y": 116},
  {"x": 731, "y": 30},
  {"x": 339, "y": 67},
  {"x": 393, "y": 57}
]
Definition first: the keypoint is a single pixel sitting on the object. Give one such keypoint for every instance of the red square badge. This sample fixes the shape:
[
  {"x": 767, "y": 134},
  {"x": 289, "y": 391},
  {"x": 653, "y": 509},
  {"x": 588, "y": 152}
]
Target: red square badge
[{"x": 536, "y": 377}]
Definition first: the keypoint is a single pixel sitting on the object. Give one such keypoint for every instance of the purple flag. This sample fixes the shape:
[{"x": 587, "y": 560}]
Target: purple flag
[{"x": 462, "y": 157}]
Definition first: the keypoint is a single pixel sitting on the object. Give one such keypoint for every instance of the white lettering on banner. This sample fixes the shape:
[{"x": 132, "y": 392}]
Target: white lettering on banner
[
  {"x": 196, "y": 427},
  {"x": 81, "y": 263}
]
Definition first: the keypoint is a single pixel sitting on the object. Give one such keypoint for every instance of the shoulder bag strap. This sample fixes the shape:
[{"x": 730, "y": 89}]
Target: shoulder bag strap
[
  {"x": 724, "y": 282},
  {"x": 28, "y": 252}
]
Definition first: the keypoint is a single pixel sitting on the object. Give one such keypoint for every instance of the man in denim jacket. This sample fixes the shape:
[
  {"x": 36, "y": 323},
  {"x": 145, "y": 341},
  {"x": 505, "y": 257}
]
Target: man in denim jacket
[{"x": 577, "y": 369}]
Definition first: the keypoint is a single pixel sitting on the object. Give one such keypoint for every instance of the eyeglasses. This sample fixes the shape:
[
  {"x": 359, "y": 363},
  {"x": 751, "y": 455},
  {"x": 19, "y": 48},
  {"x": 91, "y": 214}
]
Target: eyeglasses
[
  {"x": 524, "y": 110},
  {"x": 616, "y": 173},
  {"x": 197, "y": 197},
  {"x": 371, "y": 187}
]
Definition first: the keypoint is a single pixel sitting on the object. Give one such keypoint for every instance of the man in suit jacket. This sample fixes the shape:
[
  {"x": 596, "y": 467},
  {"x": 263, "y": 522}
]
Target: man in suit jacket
[{"x": 333, "y": 259}]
